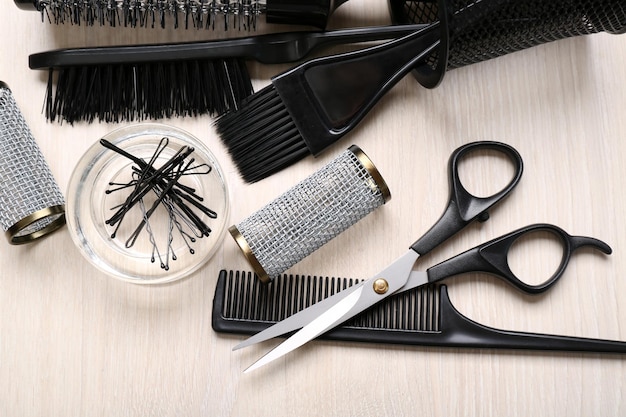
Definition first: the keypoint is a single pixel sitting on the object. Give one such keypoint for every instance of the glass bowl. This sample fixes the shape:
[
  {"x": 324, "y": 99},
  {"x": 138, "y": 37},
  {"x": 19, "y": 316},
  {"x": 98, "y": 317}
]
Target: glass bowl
[{"x": 155, "y": 240}]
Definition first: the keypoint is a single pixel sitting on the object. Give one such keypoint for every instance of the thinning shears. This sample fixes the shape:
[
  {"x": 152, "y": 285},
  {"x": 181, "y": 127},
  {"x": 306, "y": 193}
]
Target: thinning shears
[{"x": 462, "y": 209}]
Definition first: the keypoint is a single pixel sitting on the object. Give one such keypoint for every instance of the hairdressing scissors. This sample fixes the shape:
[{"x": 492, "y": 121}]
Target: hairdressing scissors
[{"x": 462, "y": 209}]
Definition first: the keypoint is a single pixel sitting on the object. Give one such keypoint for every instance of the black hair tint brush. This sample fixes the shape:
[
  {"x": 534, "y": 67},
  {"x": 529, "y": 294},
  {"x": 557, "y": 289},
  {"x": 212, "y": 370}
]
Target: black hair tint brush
[
  {"x": 306, "y": 109},
  {"x": 183, "y": 79}
]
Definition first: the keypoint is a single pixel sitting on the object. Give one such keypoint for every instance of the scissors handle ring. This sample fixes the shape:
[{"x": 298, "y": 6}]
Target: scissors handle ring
[
  {"x": 464, "y": 207},
  {"x": 492, "y": 257}
]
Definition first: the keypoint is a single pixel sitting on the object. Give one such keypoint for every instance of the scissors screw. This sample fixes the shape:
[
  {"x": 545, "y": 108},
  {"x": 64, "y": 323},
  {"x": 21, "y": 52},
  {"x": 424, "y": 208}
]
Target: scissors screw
[{"x": 381, "y": 286}]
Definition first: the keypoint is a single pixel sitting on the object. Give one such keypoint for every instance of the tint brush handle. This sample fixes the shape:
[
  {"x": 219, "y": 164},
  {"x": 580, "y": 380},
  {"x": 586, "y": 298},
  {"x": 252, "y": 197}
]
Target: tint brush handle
[{"x": 342, "y": 89}]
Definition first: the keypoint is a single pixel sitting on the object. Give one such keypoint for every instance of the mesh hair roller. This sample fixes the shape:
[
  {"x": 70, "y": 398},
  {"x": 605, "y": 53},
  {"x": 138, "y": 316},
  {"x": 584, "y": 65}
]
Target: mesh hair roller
[
  {"x": 31, "y": 204},
  {"x": 311, "y": 213}
]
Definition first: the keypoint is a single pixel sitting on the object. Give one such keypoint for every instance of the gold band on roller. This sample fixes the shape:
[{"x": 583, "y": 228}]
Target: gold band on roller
[
  {"x": 15, "y": 238},
  {"x": 247, "y": 252},
  {"x": 373, "y": 171}
]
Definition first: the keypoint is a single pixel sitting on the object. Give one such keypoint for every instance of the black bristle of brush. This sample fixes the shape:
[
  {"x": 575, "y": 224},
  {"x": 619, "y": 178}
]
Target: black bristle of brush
[
  {"x": 126, "y": 92},
  {"x": 262, "y": 137}
]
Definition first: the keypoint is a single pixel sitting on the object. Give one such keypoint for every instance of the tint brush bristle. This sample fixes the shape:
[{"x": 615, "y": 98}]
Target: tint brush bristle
[
  {"x": 153, "y": 90},
  {"x": 261, "y": 136}
]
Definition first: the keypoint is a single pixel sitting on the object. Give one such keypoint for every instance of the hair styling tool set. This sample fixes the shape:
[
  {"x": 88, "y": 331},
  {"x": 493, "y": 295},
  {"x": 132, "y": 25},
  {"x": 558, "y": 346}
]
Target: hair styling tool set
[{"x": 302, "y": 112}]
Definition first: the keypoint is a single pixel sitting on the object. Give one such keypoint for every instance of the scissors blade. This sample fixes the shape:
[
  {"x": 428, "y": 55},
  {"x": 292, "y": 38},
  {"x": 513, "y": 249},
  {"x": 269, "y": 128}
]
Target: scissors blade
[
  {"x": 346, "y": 307},
  {"x": 311, "y": 330},
  {"x": 298, "y": 320},
  {"x": 416, "y": 279}
]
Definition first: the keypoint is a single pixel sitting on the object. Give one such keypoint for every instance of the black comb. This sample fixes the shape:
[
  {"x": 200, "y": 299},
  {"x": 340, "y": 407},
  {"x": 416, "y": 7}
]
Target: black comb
[{"x": 422, "y": 316}]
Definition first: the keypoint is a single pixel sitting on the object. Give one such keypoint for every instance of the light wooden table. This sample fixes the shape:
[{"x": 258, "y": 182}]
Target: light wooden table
[{"x": 74, "y": 342}]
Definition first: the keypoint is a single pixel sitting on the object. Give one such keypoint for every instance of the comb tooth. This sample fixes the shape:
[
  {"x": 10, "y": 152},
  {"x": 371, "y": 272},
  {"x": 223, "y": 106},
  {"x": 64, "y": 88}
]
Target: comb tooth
[
  {"x": 417, "y": 317},
  {"x": 289, "y": 295},
  {"x": 260, "y": 300},
  {"x": 236, "y": 304},
  {"x": 395, "y": 310},
  {"x": 278, "y": 302},
  {"x": 436, "y": 314},
  {"x": 266, "y": 306},
  {"x": 255, "y": 297},
  {"x": 431, "y": 310},
  {"x": 228, "y": 295},
  {"x": 405, "y": 310},
  {"x": 297, "y": 295},
  {"x": 305, "y": 286},
  {"x": 232, "y": 307},
  {"x": 326, "y": 293},
  {"x": 294, "y": 294},
  {"x": 237, "y": 287},
  {"x": 300, "y": 299},
  {"x": 397, "y": 307},
  {"x": 287, "y": 299},
  {"x": 303, "y": 292},
  {"x": 247, "y": 298},
  {"x": 389, "y": 316},
  {"x": 308, "y": 289},
  {"x": 426, "y": 309},
  {"x": 318, "y": 291},
  {"x": 433, "y": 314},
  {"x": 283, "y": 300},
  {"x": 271, "y": 306},
  {"x": 411, "y": 311},
  {"x": 315, "y": 289}
]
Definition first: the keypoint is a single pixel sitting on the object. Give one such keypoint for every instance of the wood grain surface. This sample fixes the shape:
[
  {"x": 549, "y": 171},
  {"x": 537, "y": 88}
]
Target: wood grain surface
[{"x": 76, "y": 342}]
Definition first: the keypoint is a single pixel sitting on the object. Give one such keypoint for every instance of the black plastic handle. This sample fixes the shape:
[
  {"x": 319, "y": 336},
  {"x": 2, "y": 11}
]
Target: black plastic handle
[
  {"x": 270, "y": 48},
  {"x": 463, "y": 207},
  {"x": 298, "y": 12},
  {"x": 492, "y": 257}
]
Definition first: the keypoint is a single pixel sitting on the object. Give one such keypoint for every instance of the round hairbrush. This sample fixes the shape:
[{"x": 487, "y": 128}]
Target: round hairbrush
[
  {"x": 500, "y": 27},
  {"x": 207, "y": 14}
]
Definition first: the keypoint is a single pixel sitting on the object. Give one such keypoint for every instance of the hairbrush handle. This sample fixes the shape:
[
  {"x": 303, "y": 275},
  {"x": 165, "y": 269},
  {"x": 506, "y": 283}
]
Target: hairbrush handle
[{"x": 271, "y": 48}]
